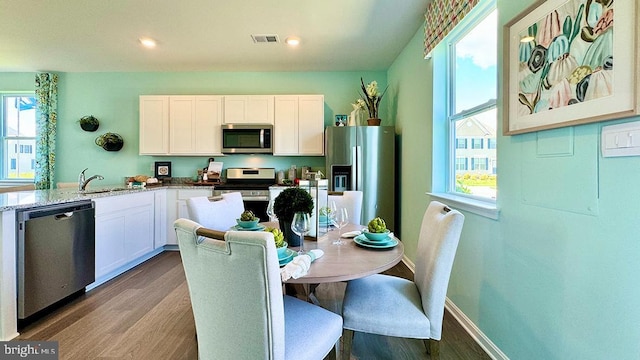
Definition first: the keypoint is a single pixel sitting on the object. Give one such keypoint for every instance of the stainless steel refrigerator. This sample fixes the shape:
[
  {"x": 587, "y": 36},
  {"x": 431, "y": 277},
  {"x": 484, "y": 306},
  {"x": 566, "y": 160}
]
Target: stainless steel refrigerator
[{"x": 363, "y": 158}]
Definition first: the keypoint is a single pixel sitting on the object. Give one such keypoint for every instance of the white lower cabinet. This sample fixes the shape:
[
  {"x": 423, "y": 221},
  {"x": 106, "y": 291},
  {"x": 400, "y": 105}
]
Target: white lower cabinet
[
  {"x": 177, "y": 208},
  {"x": 124, "y": 229}
]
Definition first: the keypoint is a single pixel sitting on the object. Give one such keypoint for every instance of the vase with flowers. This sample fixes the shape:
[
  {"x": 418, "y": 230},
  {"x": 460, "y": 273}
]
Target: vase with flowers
[{"x": 372, "y": 97}]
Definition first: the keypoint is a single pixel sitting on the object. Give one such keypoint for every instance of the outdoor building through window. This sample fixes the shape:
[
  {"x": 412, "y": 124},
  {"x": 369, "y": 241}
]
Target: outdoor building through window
[
  {"x": 18, "y": 113},
  {"x": 472, "y": 116}
]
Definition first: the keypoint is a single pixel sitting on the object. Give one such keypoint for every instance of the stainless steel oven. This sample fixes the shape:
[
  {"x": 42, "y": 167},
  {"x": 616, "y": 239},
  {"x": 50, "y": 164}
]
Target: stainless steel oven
[{"x": 253, "y": 184}]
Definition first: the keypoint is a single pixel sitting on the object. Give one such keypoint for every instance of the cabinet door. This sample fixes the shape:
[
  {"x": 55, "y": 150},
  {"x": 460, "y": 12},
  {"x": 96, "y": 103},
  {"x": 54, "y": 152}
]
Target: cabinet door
[
  {"x": 154, "y": 125},
  {"x": 110, "y": 243},
  {"x": 286, "y": 125},
  {"x": 208, "y": 119},
  {"x": 248, "y": 109},
  {"x": 260, "y": 109},
  {"x": 160, "y": 218},
  {"x": 311, "y": 125},
  {"x": 235, "y": 109},
  {"x": 139, "y": 231},
  {"x": 182, "y": 124}
]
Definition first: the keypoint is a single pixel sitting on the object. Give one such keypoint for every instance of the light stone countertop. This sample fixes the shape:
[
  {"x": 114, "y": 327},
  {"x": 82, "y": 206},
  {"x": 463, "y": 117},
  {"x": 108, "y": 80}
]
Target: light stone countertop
[{"x": 35, "y": 198}]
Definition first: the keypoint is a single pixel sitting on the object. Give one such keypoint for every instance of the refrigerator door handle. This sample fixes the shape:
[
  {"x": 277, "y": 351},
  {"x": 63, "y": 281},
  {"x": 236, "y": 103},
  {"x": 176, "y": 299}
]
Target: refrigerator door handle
[{"x": 359, "y": 176}]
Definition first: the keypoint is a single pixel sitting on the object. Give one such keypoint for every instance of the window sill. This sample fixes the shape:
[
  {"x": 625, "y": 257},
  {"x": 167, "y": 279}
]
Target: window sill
[{"x": 478, "y": 207}]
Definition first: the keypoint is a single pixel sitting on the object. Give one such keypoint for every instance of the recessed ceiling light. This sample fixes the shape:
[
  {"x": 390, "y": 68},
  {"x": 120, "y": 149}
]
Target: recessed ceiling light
[
  {"x": 292, "y": 41},
  {"x": 147, "y": 42}
]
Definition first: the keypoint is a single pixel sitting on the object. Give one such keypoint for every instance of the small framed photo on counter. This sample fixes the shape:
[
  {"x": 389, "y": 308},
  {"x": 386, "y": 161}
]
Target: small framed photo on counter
[{"x": 163, "y": 169}]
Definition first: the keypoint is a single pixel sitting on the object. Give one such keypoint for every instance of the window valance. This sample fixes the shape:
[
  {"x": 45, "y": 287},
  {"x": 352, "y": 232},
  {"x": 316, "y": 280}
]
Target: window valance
[{"x": 441, "y": 17}]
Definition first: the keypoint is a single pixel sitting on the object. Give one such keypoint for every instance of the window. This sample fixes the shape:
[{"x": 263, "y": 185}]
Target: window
[
  {"x": 18, "y": 117},
  {"x": 461, "y": 163},
  {"x": 471, "y": 61}
]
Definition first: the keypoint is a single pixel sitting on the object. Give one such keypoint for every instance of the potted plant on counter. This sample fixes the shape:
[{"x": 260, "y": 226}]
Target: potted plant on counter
[{"x": 289, "y": 202}]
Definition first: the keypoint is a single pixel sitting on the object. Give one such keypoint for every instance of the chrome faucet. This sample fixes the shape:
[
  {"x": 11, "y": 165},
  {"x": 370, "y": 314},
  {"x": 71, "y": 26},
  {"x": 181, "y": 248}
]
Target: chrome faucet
[{"x": 82, "y": 183}]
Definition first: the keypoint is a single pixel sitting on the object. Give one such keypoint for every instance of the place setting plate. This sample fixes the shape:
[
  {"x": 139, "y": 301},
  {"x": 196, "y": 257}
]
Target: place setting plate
[
  {"x": 288, "y": 256},
  {"x": 255, "y": 228},
  {"x": 387, "y": 243}
]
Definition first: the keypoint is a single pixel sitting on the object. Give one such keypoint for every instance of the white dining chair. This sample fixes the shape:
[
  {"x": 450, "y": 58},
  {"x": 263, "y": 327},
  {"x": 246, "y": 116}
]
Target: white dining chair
[
  {"x": 392, "y": 306},
  {"x": 217, "y": 214},
  {"x": 352, "y": 201},
  {"x": 238, "y": 305}
]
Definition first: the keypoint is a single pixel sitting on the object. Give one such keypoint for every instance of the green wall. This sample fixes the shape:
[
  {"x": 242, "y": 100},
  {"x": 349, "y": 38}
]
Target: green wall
[
  {"x": 113, "y": 99},
  {"x": 555, "y": 277}
]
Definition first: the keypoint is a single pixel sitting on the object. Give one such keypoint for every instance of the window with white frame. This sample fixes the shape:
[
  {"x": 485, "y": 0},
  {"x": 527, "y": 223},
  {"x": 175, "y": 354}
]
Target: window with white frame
[
  {"x": 472, "y": 116},
  {"x": 18, "y": 118}
]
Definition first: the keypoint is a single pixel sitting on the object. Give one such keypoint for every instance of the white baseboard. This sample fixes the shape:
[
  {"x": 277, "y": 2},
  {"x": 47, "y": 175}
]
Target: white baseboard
[
  {"x": 124, "y": 268},
  {"x": 485, "y": 343},
  {"x": 476, "y": 334}
]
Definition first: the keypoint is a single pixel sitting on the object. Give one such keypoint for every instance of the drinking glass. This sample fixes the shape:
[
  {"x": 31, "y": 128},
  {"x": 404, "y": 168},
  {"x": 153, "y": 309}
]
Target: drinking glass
[
  {"x": 271, "y": 212},
  {"x": 333, "y": 209},
  {"x": 301, "y": 225},
  {"x": 341, "y": 220}
]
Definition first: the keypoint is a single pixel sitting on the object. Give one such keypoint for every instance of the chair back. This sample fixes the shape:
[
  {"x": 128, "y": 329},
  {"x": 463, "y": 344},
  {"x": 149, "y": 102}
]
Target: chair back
[
  {"x": 437, "y": 245},
  {"x": 236, "y": 293},
  {"x": 352, "y": 201},
  {"x": 217, "y": 214}
]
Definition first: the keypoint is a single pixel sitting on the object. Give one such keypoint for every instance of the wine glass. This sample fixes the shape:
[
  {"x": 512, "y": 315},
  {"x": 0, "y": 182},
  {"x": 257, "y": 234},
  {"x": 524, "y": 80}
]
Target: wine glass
[
  {"x": 331, "y": 217},
  {"x": 301, "y": 225},
  {"x": 271, "y": 212},
  {"x": 341, "y": 220}
]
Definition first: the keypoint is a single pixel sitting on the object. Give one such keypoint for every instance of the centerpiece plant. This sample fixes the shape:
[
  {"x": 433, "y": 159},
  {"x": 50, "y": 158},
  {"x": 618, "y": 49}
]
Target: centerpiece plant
[{"x": 286, "y": 204}]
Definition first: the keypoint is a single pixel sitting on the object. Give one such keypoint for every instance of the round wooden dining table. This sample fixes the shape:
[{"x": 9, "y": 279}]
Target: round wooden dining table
[{"x": 348, "y": 260}]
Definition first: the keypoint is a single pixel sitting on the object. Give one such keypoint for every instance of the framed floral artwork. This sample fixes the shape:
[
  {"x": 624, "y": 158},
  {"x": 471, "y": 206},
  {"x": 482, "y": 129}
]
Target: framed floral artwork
[{"x": 569, "y": 62}]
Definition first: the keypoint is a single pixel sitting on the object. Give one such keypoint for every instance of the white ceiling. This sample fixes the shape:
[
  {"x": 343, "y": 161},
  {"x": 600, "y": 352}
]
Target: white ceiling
[{"x": 204, "y": 35}]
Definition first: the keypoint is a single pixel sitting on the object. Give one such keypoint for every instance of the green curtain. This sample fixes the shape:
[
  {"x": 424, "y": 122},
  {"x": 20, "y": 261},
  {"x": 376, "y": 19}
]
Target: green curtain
[{"x": 46, "y": 118}]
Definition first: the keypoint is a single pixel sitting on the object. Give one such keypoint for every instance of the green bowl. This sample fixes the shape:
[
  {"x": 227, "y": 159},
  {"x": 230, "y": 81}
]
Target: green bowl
[
  {"x": 282, "y": 251},
  {"x": 376, "y": 236},
  {"x": 248, "y": 224}
]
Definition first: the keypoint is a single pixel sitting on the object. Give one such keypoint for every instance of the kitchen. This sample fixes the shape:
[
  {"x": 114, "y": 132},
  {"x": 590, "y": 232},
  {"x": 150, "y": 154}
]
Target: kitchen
[{"x": 530, "y": 280}]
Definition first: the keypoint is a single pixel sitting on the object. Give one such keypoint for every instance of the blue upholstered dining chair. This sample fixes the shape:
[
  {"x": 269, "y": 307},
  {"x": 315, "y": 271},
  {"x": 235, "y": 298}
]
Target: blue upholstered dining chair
[
  {"x": 238, "y": 305},
  {"x": 218, "y": 214},
  {"x": 392, "y": 306}
]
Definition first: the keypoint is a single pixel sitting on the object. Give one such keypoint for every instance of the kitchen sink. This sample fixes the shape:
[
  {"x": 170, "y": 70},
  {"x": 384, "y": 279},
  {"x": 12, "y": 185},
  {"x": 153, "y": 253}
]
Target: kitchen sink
[{"x": 101, "y": 191}]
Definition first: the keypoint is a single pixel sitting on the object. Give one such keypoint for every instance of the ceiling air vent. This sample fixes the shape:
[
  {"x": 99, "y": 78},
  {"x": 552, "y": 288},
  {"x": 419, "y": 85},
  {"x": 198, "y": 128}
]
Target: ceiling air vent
[{"x": 265, "y": 38}]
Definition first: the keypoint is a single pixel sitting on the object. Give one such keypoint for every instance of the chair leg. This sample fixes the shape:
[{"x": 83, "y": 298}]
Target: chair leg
[
  {"x": 335, "y": 353},
  {"x": 347, "y": 340},
  {"x": 433, "y": 348}
]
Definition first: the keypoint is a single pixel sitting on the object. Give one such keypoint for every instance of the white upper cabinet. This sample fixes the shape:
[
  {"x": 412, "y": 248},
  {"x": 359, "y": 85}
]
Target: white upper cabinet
[
  {"x": 154, "y": 125},
  {"x": 248, "y": 109},
  {"x": 180, "y": 125},
  {"x": 299, "y": 125},
  {"x": 195, "y": 125}
]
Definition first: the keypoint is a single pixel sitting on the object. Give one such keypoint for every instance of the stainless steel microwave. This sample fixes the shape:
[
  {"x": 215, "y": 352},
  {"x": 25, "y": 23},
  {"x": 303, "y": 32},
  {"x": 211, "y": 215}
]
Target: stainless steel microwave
[{"x": 247, "y": 139}]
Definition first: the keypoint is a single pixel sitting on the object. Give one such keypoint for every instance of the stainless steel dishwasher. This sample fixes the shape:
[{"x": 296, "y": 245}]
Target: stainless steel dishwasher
[{"x": 56, "y": 253}]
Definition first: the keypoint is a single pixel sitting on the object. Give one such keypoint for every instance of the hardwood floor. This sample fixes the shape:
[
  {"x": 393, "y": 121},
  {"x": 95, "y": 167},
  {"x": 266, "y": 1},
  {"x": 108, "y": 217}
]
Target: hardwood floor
[{"x": 146, "y": 314}]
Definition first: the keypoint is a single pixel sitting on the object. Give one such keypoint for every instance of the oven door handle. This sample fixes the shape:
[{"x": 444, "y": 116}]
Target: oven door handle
[{"x": 255, "y": 198}]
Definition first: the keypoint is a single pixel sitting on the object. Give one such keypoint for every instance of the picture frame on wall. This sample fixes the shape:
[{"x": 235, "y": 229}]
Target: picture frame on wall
[
  {"x": 163, "y": 169},
  {"x": 564, "y": 65}
]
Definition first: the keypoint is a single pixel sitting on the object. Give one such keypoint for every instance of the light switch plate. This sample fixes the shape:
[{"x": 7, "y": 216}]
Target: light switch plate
[{"x": 621, "y": 139}]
